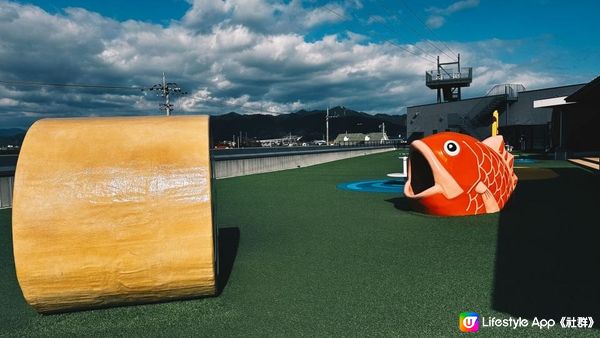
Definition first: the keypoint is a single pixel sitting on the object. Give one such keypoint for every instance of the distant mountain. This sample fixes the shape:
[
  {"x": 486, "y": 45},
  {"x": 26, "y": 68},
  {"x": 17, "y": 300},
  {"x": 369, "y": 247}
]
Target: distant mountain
[
  {"x": 309, "y": 124},
  {"x": 11, "y": 131},
  {"x": 12, "y": 136}
]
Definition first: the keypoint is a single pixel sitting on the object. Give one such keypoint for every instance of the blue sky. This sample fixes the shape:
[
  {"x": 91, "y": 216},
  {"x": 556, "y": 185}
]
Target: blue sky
[{"x": 269, "y": 56}]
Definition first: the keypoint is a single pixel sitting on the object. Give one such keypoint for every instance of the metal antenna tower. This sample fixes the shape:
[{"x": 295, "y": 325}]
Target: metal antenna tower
[
  {"x": 327, "y": 118},
  {"x": 165, "y": 89},
  {"x": 448, "y": 79}
]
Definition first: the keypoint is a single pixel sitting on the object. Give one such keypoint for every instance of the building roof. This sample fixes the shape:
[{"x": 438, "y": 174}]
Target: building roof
[
  {"x": 350, "y": 137},
  {"x": 586, "y": 93},
  {"x": 378, "y": 136},
  {"x": 481, "y": 97}
]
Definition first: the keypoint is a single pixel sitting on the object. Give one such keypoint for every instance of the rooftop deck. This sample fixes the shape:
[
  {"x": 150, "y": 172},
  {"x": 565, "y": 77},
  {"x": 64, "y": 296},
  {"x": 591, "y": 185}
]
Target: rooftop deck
[
  {"x": 462, "y": 78},
  {"x": 300, "y": 257}
]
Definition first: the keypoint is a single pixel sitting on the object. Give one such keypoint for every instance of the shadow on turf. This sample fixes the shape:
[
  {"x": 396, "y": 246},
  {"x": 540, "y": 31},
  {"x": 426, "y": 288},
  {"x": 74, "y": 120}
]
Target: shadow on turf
[
  {"x": 229, "y": 239},
  {"x": 547, "y": 249},
  {"x": 400, "y": 203}
]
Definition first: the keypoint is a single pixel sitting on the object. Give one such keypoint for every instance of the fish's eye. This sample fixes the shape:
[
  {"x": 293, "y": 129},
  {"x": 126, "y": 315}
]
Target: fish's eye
[{"x": 451, "y": 148}]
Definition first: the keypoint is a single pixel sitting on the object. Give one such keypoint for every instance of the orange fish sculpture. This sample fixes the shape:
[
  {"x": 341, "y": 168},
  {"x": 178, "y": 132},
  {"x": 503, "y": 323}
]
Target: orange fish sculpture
[{"x": 452, "y": 174}]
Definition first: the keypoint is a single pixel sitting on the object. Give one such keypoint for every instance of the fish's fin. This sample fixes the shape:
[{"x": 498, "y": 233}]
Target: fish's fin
[
  {"x": 490, "y": 203},
  {"x": 496, "y": 143}
]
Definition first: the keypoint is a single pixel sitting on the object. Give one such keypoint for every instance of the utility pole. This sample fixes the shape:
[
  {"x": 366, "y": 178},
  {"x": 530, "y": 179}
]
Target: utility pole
[
  {"x": 327, "y": 117},
  {"x": 165, "y": 89},
  {"x": 166, "y": 93},
  {"x": 327, "y": 126}
]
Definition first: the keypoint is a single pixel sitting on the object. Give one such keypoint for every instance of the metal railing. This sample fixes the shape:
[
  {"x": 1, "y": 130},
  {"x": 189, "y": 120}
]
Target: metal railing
[
  {"x": 449, "y": 75},
  {"x": 479, "y": 115},
  {"x": 511, "y": 90}
]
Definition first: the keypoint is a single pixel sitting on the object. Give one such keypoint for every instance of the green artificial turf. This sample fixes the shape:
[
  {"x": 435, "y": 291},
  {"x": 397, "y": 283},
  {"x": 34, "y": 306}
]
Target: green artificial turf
[{"x": 312, "y": 260}]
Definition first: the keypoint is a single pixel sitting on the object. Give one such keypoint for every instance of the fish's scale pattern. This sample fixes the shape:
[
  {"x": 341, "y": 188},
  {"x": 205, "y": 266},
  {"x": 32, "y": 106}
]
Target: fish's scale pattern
[{"x": 494, "y": 172}]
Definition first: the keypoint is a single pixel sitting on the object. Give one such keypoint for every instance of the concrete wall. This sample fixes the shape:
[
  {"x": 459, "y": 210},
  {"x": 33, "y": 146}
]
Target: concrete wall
[
  {"x": 224, "y": 168},
  {"x": 240, "y": 166},
  {"x": 432, "y": 118}
]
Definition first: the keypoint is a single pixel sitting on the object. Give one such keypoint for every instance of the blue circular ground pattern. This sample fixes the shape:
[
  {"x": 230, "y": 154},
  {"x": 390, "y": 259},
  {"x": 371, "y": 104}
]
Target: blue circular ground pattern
[
  {"x": 524, "y": 161},
  {"x": 386, "y": 185}
]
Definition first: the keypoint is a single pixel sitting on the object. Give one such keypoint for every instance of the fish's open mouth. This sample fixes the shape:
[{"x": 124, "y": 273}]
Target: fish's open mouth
[
  {"x": 424, "y": 180},
  {"x": 427, "y": 176}
]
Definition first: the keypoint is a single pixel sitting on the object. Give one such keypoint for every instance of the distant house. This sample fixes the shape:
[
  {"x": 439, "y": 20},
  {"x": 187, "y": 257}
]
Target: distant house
[
  {"x": 349, "y": 139},
  {"x": 278, "y": 142},
  {"x": 360, "y": 138},
  {"x": 379, "y": 137}
]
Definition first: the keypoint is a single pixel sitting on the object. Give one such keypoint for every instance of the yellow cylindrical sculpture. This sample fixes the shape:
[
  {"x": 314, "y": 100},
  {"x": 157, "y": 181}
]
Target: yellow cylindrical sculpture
[
  {"x": 495, "y": 122},
  {"x": 114, "y": 211}
]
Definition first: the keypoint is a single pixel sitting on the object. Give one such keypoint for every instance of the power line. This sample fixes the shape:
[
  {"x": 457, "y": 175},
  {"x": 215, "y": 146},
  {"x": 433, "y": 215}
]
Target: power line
[
  {"x": 385, "y": 8},
  {"x": 391, "y": 42},
  {"x": 77, "y": 85},
  {"x": 391, "y": 29},
  {"x": 395, "y": 31},
  {"x": 164, "y": 89},
  {"x": 427, "y": 27}
]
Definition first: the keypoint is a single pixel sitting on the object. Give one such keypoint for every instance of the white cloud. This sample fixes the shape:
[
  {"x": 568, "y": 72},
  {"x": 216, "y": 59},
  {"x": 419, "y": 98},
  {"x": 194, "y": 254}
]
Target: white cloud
[
  {"x": 205, "y": 13},
  {"x": 435, "y": 21},
  {"x": 8, "y": 102},
  {"x": 319, "y": 16},
  {"x": 455, "y": 7},
  {"x": 260, "y": 15},
  {"x": 227, "y": 56},
  {"x": 438, "y": 17},
  {"x": 375, "y": 19}
]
